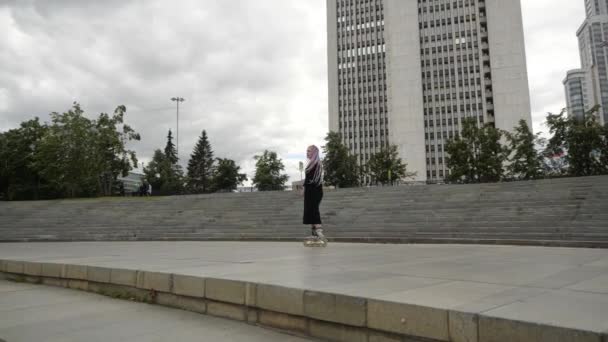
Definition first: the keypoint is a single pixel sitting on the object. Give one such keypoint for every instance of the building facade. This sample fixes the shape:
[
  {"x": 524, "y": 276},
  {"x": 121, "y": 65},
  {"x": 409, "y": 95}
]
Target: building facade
[
  {"x": 577, "y": 95},
  {"x": 407, "y": 73},
  {"x": 593, "y": 49}
]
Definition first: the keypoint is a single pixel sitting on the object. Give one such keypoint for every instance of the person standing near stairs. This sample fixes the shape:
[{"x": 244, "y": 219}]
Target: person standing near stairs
[{"x": 313, "y": 191}]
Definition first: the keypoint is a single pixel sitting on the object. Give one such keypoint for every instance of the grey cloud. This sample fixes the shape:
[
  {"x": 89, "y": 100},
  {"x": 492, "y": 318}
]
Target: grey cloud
[{"x": 253, "y": 72}]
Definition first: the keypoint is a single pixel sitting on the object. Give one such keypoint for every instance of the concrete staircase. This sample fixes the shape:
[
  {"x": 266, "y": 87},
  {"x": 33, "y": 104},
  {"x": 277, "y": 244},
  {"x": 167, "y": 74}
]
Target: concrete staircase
[{"x": 559, "y": 212}]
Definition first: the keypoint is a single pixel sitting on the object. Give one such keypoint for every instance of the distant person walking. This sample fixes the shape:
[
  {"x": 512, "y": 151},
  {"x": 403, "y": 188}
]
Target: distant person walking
[{"x": 313, "y": 191}]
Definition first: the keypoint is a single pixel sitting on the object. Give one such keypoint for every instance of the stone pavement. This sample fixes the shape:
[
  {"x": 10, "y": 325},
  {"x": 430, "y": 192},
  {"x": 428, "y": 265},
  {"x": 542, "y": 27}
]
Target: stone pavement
[
  {"x": 565, "y": 288},
  {"x": 40, "y": 313}
]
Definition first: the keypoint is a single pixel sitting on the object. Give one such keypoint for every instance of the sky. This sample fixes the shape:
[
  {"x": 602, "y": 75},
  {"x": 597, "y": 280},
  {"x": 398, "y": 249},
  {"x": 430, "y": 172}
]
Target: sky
[{"x": 253, "y": 73}]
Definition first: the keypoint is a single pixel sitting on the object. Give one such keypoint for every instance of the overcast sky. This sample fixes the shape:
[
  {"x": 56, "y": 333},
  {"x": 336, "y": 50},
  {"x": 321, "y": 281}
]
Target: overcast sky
[{"x": 253, "y": 72}]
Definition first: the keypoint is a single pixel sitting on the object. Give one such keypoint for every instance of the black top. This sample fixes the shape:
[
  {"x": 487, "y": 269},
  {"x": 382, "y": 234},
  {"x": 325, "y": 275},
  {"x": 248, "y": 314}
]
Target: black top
[{"x": 310, "y": 175}]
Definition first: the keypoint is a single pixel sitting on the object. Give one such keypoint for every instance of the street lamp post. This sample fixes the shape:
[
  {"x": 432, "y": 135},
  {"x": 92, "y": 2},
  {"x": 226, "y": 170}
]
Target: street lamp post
[{"x": 177, "y": 100}]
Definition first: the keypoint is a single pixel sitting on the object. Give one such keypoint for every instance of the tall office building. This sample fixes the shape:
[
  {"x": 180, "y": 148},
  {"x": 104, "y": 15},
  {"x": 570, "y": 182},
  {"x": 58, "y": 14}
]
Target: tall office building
[
  {"x": 577, "y": 93},
  {"x": 593, "y": 49},
  {"x": 407, "y": 72}
]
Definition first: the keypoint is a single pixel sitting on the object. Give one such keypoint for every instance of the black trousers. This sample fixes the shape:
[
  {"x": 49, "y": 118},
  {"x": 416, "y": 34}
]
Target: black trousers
[{"x": 312, "y": 198}]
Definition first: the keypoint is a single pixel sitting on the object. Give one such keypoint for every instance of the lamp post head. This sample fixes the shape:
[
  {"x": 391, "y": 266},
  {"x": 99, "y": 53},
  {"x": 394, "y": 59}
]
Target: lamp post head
[{"x": 178, "y": 99}]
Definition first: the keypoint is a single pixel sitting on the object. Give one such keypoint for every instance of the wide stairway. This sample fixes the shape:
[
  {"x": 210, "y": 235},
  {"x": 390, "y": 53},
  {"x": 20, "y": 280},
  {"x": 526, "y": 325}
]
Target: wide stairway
[{"x": 559, "y": 212}]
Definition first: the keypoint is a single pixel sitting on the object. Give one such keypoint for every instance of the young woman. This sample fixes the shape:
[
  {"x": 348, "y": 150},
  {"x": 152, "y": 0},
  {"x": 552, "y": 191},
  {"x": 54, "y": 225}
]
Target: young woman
[{"x": 313, "y": 191}]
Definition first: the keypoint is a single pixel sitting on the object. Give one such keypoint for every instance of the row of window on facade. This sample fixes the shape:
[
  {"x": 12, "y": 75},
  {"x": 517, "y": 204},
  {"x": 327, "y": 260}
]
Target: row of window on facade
[
  {"x": 372, "y": 144},
  {"x": 450, "y": 61},
  {"x": 344, "y": 9},
  {"x": 442, "y": 7},
  {"x": 361, "y": 79},
  {"x": 463, "y": 19},
  {"x": 452, "y": 96},
  {"x": 350, "y": 110},
  {"x": 453, "y": 109},
  {"x": 448, "y": 36},
  {"x": 369, "y": 26},
  {"x": 369, "y": 134}
]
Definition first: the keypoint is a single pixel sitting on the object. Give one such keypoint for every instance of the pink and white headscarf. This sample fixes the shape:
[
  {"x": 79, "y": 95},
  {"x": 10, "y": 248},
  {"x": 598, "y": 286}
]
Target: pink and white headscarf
[{"x": 314, "y": 163}]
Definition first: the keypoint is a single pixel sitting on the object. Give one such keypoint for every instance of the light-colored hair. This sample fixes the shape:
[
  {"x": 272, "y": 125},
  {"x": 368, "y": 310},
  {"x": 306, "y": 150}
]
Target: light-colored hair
[{"x": 314, "y": 163}]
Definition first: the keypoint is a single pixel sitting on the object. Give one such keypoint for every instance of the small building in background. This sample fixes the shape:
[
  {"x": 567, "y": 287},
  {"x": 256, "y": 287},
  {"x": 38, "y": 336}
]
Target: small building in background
[{"x": 132, "y": 182}]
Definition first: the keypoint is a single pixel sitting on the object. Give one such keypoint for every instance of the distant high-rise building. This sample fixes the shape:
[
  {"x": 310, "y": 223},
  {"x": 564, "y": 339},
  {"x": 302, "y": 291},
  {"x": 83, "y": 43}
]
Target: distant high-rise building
[
  {"x": 593, "y": 49},
  {"x": 577, "y": 95},
  {"x": 406, "y": 73}
]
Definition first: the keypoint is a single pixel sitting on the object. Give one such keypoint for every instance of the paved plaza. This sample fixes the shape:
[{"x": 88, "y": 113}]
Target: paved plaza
[
  {"x": 565, "y": 287},
  {"x": 41, "y": 313}
]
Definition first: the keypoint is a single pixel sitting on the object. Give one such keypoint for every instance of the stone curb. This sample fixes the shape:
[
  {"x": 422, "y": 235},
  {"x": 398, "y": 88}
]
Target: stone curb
[{"x": 328, "y": 316}]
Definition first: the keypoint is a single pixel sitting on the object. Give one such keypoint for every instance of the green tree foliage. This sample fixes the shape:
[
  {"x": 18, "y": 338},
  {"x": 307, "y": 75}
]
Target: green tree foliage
[
  {"x": 170, "y": 151},
  {"x": 476, "y": 155},
  {"x": 525, "y": 161},
  {"x": 20, "y": 179},
  {"x": 583, "y": 142},
  {"x": 164, "y": 176},
  {"x": 385, "y": 167},
  {"x": 113, "y": 159},
  {"x": 83, "y": 157},
  {"x": 268, "y": 175},
  {"x": 201, "y": 166},
  {"x": 226, "y": 175},
  {"x": 340, "y": 168}
]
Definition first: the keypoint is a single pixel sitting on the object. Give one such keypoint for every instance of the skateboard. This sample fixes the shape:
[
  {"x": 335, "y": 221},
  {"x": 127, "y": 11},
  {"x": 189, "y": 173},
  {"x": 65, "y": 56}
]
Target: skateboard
[{"x": 315, "y": 242}]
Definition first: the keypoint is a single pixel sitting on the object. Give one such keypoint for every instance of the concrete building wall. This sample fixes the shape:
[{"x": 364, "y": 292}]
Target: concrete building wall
[
  {"x": 404, "y": 81},
  {"x": 592, "y": 38},
  {"x": 406, "y": 73},
  {"x": 332, "y": 65},
  {"x": 511, "y": 92},
  {"x": 577, "y": 98}
]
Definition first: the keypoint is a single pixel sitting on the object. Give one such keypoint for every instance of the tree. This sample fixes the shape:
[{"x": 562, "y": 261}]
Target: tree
[
  {"x": 386, "y": 167},
  {"x": 268, "y": 175},
  {"x": 164, "y": 177},
  {"x": 340, "y": 168},
  {"x": 582, "y": 141},
  {"x": 170, "y": 151},
  {"x": 112, "y": 157},
  {"x": 476, "y": 155},
  {"x": 67, "y": 154},
  {"x": 83, "y": 157},
  {"x": 20, "y": 179},
  {"x": 201, "y": 166},
  {"x": 227, "y": 176},
  {"x": 525, "y": 162}
]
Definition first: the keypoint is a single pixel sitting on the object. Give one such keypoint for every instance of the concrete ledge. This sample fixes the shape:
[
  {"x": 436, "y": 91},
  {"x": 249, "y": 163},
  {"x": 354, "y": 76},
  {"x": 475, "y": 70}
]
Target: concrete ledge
[
  {"x": 98, "y": 274},
  {"x": 225, "y": 310},
  {"x": 283, "y": 321},
  {"x": 229, "y": 291},
  {"x": 189, "y": 286},
  {"x": 318, "y": 314},
  {"x": 198, "y": 305},
  {"x": 463, "y": 327},
  {"x": 123, "y": 277},
  {"x": 154, "y": 281},
  {"x": 11, "y": 266},
  {"x": 52, "y": 270},
  {"x": 280, "y": 299},
  {"x": 336, "y": 308},
  {"x": 499, "y": 330},
  {"x": 75, "y": 272},
  {"x": 337, "y": 332},
  {"x": 408, "y": 319},
  {"x": 32, "y": 268}
]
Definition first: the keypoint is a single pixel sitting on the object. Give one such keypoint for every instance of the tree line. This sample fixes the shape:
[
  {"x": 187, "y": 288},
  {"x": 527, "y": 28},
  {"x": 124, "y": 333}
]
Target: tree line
[
  {"x": 73, "y": 156},
  {"x": 482, "y": 153}
]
